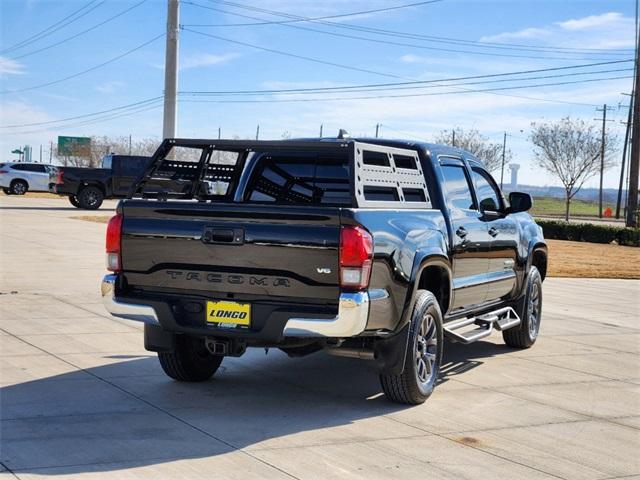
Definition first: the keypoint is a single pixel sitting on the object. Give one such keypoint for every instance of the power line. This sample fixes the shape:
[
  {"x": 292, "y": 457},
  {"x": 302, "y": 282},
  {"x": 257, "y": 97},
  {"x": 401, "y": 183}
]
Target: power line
[
  {"x": 53, "y": 28},
  {"x": 388, "y": 42},
  {"x": 100, "y": 119},
  {"x": 50, "y": 122},
  {"x": 391, "y": 32},
  {"x": 378, "y": 32},
  {"x": 294, "y": 55},
  {"x": 42, "y": 49},
  {"x": 327, "y": 17},
  {"x": 374, "y": 97},
  {"x": 399, "y": 85},
  {"x": 95, "y": 67},
  {"x": 501, "y": 45},
  {"x": 302, "y": 57}
]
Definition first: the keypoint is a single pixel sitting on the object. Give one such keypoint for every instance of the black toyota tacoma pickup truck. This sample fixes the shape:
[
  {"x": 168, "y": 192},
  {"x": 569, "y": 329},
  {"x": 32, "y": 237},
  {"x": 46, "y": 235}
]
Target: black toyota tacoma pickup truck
[
  {"x": 374, "y": 249},
  {"x": 88, "y": 187}
]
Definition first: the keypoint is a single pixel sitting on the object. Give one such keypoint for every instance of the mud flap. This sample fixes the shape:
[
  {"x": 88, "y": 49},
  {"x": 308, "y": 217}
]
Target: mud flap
[
  {"x": 390, "y": 353},
  {"x": 156, "y": 339}
]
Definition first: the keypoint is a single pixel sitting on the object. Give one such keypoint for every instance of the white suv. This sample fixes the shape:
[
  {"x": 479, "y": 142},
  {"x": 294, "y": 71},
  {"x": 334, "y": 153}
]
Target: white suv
[{"x": 18, "y": 178}]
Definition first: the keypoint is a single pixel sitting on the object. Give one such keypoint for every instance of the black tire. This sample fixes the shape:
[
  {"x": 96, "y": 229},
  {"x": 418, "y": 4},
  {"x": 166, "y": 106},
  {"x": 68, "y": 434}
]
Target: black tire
[
  {"x": 19, "y": 187},
  {"x": 90, "y": 198},
  {"x": 424, "y": 354},
  {"x": 190, "y": 361},
  {"x": 529, "y": 309},
  {"x": 6, "y": 191},
  {"x": 73, "y": 200}
]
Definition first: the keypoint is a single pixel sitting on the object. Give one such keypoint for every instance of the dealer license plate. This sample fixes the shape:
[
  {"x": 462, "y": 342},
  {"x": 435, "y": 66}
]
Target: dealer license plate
[{"x": 224, "y": 314}]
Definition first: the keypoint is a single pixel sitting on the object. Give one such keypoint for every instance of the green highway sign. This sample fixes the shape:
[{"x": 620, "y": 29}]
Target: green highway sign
[{"x": 74, "y": 146}]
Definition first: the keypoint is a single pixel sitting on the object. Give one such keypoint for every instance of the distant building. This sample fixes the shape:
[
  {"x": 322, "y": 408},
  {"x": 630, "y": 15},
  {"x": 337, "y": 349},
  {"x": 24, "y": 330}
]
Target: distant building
[{"x": 513, "y": 168}]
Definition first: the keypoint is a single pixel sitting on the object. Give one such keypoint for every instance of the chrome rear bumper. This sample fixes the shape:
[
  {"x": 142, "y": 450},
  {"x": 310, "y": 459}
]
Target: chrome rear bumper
[
  {"x": 353, "y": 313},
  {"x": 129, "y": 311}
]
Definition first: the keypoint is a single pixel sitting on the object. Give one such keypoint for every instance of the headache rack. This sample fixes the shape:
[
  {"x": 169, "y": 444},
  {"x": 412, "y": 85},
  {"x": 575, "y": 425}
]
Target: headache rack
[{"x": 210, "y": 170}]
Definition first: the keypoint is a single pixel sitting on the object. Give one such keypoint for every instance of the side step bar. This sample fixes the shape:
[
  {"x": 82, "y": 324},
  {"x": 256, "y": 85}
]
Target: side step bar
[{"x": 502, "y": 319}]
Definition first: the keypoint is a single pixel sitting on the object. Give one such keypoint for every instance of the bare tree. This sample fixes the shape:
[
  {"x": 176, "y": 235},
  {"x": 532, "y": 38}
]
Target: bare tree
[
  {"x": 74, "y": 155},
  {"x": 474, "y": 142},
  {"x": 570, "y": 150}
]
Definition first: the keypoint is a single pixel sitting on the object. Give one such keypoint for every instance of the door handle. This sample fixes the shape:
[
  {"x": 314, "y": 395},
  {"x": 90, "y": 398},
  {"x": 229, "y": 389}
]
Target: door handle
[
  {"x": 493, "y": 231},
  {"x": 461, "y": 232}
]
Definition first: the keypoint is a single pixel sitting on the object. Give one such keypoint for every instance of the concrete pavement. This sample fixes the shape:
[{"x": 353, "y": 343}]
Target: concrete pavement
[{"x": 79, "y": 395}]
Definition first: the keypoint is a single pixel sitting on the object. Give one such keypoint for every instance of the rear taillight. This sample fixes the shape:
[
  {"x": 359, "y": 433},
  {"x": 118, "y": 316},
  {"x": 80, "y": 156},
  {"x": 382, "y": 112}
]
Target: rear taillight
[
  {"x": 356, "y": 254},
  {"x": 59, "y": 177},
  {"x": 114, "y": 232}
]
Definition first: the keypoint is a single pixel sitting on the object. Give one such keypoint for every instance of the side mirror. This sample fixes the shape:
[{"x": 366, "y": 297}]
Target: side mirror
[{"x": 520, "y": 202}]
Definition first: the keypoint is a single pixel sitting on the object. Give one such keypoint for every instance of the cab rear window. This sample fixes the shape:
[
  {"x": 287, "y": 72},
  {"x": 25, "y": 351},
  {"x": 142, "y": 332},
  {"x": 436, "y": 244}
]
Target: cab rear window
[{"x": 300, "y": 179}]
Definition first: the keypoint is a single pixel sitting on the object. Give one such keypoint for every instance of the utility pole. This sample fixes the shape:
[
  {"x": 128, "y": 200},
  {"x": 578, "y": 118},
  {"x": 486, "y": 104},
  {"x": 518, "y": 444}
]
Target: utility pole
[
  {"x": 40, "y": 153},
  {"x": 453, "y": 137},
  {"x": 634, "y": 159},
  {"x": 171, "y": 70},
  {"x": 321, "y": 130},
  {"x": 504, "y": 150},
  {"x": 602, "y": 149},
  {"x": 625, "y": 146},
  {"x": 377, "y": 129},
  {"x": 50, "y": 151},
  {"x": 257, "y": 131},
  {"x": 129, "y": 144},
  {"x": 219, "y": 133}
]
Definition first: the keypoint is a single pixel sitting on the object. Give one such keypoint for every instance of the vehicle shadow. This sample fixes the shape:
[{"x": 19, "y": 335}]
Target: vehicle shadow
[
  {"x": 127, "y": 413},
  {"x": 106, "y": 209}
]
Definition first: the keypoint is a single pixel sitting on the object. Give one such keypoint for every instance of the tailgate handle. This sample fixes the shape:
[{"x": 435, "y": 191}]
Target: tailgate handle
[{"x": 223, "y": 235}]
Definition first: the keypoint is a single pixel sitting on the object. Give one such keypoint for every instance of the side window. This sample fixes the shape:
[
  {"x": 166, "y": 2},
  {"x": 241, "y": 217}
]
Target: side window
[
  {"x": 457, "y": 187},
  {"x": 131, "y": 167},
  {"x": 39, "y": 168},
  {"x": 106, "y": 162},
  {"x": 19, "y": 166},
  {"x": 488, "y": 194}
]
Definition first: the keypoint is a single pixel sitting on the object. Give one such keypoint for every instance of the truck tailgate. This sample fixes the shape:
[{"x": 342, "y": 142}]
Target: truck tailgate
[{"x": 232, "y": 250}]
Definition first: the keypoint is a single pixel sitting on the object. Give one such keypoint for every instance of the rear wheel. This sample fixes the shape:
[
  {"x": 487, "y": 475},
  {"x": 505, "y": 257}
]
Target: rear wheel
[
  {"x": 424, "y": 354},
  {"x": 73, "y": 200},
  {"x": 90, "y": 198},
  {"x": 190, "y": 361},
  {"x": 19, "y": 187},
  {"x": 529, "y": 309}
]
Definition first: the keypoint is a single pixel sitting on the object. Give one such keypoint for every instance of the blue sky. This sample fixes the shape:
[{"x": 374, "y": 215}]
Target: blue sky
[{"x": 602, "y": 30}]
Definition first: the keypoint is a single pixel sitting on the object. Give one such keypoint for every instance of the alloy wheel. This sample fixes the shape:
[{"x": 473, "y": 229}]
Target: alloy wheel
[{"x": 426, "y": 349}]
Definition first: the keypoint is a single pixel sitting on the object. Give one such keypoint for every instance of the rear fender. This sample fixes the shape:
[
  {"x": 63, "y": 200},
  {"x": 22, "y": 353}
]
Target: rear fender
[
  {"x": 98, "y": 185},
  {"x": 391, "y": 352}
]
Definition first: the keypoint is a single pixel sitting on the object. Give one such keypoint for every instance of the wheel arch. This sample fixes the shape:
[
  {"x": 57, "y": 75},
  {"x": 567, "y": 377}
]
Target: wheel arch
[
  {"x": 19, "y": 179},
  {"x": 433, "y": 272},
  {"x": 538, "y": 257},
  {"x": 98, "y": 185}
]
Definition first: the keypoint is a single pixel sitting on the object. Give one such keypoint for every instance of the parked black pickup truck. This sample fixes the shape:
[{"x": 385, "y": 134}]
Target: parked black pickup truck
[
  {"x": 88, "y": 187},
  {"x": 373, "y": 249}
]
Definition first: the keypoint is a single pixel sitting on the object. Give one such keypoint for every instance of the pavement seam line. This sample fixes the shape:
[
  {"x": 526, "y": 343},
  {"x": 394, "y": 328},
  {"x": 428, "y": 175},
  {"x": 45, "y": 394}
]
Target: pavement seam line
[
  {"x": 160, "y": 409},
  {"x": 584, "y": 373},
  {"x": 511, "y": 394},
  {"x": 509, "y": 460}
]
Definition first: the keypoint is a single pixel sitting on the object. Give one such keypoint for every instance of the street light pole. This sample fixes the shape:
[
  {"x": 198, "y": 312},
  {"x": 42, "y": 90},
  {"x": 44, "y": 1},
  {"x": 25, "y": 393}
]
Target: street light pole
[{"x": 171, "y": 71}]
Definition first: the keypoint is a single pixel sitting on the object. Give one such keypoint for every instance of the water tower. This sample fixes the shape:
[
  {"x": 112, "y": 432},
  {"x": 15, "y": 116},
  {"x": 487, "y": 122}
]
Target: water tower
[{"x": 513, "y": 168}]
